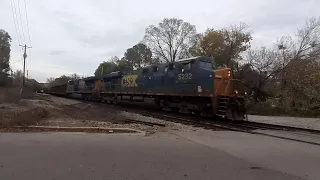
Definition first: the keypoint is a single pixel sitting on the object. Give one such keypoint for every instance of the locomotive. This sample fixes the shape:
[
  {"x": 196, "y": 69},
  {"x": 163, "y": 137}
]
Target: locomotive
[{"x": 195, "y": 85}]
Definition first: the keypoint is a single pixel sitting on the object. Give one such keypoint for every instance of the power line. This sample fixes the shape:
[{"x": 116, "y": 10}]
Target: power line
[
  {"x": 16, "y": 17},
  {"x": 21, "y": 23},
  {"x": 25, "y": 7},
  {"x": 27, "y": 20},
  {"x": 17, "y": 61},
  {"x": 15, "y": 24}
]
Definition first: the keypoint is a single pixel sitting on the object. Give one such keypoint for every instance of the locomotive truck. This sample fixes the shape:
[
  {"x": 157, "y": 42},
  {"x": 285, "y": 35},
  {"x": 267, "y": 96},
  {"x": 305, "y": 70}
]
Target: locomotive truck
[{"x": 194, "y": 85}]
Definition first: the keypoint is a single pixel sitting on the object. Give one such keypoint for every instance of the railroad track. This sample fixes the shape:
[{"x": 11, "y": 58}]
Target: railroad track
[
  {"x": 247, "y": 127},
  {"x": 281, "y": 127},
  {"x": 145, "y": 122},
  {"x": 208, "y": 123}
]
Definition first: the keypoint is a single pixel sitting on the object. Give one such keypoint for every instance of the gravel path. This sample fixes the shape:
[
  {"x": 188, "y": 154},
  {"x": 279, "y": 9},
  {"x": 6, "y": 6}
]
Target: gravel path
[
  {"x": 310, "y": 123},
  {"x": 68, "y": 113},
  {"x": 119, "y": 122}
]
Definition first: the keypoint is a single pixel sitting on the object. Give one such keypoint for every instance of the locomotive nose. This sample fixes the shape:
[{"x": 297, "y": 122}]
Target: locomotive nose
[{"x": 229, "y": 93}]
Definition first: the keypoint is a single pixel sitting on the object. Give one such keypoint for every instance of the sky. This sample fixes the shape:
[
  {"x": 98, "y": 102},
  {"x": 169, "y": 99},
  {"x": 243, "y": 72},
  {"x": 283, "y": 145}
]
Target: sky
[{"x": 75, "y": 36}]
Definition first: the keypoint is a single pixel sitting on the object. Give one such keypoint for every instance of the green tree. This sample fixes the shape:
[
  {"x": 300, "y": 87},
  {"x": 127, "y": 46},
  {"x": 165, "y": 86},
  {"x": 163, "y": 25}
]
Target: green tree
[
  {"x": 112, "y": 65},
  {"x": 124, "y": 65},
  {"x": 171, "y": 39},
  {"x": 5, "y": 49},
  {"x": 105, "y": 68},
  {"x": 225, "y": 45},
  {"x": 139, "y": 55}
]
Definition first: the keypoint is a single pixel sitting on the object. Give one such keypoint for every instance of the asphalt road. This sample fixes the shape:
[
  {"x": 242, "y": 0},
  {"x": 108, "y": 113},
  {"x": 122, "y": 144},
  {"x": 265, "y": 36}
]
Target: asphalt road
[{"x": 76, "y": 156}]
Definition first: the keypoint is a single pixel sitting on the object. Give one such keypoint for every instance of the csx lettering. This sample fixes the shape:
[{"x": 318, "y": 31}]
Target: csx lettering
[
  {"x": 185, "y": 76},
  {"x": 129, "y": 81}
]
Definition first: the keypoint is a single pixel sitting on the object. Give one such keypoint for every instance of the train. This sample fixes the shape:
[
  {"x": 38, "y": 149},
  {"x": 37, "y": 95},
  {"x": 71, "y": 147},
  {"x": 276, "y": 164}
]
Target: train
[{"x": 193, "y": 85}]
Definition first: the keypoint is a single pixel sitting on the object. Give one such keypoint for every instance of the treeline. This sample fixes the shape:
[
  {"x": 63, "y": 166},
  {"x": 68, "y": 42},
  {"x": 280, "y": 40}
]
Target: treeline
[
  {"x": 281, "y": 79},
  {"x": 5, "y": 49},
  {"x": 8, "y": 78},
  {"x": 62, "y": 79}
]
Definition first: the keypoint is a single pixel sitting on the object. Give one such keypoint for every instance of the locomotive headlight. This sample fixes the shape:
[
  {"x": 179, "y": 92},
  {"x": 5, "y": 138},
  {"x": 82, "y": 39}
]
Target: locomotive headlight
[{"x": 229, "y": 73}]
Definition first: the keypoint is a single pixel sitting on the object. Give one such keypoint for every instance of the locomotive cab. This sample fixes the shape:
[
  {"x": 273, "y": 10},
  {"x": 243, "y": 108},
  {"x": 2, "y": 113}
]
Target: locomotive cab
[{"x": 228, "y": 95}]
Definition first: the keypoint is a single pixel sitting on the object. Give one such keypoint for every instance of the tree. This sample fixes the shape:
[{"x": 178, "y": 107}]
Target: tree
[
  {"x": 105, "y": 68},
  {"x": 5, "y": 49},
  {"x": 299, "y": 62},
  {"x": 291, "y": 70},
  {"x": 33, "y": 85},
  {"x": 114, "y": 64},
  {"x": 62, "y": 79},
  {"x": 225, "y": 45},
  {"x": 210, "y": 44},
  {"x": 124, "y": 65},
  {"x": 171, "y": 39},
  {"x": 262, "y": 62},
  {"x": 139, "y": 55},
  {"x": 50, "y": 80},
  {"x": 17, "y": 78},
  {"x": 58, "y": 81},
  {"x": 75, "y": 76}
]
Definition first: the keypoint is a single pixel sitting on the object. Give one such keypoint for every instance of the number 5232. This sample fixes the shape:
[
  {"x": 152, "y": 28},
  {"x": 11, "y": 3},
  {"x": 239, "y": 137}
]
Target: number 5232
[{"x": 185, "y": 76}]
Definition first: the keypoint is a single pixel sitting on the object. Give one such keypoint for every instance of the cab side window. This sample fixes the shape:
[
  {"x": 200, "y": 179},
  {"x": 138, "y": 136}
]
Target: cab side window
[
  {"x": 155, "y": 68},
  {"x": 145, "y": 71},
  {"x": 207, "y": 65},
  {"x": 171, "y": 66},
  {"x": 186, "y": 66}
]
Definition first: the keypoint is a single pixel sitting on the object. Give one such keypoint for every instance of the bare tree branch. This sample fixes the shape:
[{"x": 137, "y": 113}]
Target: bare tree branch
[{"x": 170, "y": 39}]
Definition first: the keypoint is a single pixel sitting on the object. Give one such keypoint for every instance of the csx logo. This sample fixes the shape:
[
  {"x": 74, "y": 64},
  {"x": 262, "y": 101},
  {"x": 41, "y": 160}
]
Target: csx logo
[{"x": 129, "y": 81}]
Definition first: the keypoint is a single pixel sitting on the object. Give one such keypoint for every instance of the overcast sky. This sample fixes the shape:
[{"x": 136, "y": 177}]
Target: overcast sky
[{"x": 74, "y": 36}]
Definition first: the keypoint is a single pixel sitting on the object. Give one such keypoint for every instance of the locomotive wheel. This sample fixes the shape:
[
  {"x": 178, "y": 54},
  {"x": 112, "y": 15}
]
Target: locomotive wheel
[{"x": 234, "y": 115}]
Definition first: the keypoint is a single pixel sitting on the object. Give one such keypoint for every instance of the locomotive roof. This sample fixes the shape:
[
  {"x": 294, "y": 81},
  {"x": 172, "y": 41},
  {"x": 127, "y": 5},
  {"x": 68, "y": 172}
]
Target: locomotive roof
[
  {"x": 118, "y": 73},
  {"x": 110, "y": 75},
  {"x": 188, "y": 59},
  {"x": 193, "y": 58}
]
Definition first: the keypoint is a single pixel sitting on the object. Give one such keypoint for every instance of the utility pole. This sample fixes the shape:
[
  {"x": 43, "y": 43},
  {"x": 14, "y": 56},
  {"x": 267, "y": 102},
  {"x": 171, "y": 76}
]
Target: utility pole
[
  {"x": 24, "y": 63},
  {"x": 11, "y": 77}
]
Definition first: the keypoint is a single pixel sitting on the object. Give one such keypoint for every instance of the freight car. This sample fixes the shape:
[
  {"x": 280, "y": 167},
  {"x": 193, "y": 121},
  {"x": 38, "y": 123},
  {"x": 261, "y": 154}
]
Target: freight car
[
  {"x": 193, "y": 85},
  {"x": 58, "y": 90}
]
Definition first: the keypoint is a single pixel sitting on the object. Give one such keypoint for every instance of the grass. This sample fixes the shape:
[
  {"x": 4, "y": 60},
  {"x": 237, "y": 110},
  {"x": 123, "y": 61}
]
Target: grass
[{"x": 24, "y": 118}]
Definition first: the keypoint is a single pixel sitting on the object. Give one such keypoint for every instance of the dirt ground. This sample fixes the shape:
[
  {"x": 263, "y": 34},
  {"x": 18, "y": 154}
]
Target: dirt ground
[
  {"x": 54, "y": 111},
  {"x": 46, "y": 110}
]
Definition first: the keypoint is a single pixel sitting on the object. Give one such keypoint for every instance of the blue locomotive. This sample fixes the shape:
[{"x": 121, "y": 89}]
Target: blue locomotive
[{"x": 193, "y": 85}]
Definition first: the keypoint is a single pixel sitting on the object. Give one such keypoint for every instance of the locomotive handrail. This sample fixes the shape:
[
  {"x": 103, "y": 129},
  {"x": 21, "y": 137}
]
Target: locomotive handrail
[
  {"x": 227, "y": 87},
  {"x": 218, "y": 85}
]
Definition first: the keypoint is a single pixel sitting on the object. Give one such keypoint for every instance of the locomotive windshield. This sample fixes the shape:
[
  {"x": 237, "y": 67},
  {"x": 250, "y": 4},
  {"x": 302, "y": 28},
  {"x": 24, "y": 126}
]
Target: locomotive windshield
[{"x": 206, "y": 65}]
